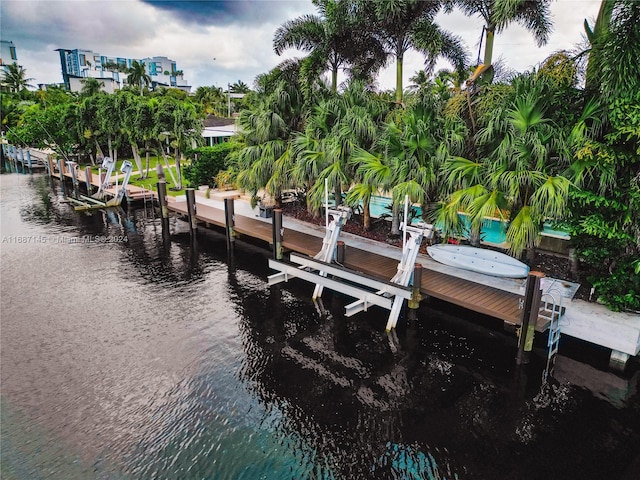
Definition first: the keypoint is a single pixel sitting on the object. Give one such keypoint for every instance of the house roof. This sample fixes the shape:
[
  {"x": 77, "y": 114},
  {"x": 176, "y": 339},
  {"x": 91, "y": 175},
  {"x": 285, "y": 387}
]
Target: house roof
[
  {"x": 221, "y": 131},
  {"x": 214, "y": 121}
]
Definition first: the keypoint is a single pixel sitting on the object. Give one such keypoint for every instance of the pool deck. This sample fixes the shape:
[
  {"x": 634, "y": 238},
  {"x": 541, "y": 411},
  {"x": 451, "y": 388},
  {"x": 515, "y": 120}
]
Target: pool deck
[{"x": 587, "y": 321}]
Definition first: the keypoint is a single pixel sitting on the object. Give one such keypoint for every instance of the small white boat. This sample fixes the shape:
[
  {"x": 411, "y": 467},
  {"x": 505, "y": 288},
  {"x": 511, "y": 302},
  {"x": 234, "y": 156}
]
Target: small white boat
[{"x": 479, "y": 260}]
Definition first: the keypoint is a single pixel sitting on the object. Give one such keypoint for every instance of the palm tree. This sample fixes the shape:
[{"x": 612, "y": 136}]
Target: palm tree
[
  {"x": 89, "y": 123},
  {"x": 239, "y": 87},
  {"x": 419, "y": 81},
  {"x": 137, "y": 75},
  {"x": 15, "y": 78},
  {"x": 521, "y": 178},
  {"x": 334, "y": 128},
  {"x": 403, "y": 24},
  {"x": 211, "y": 99},
  {"x": 90, "y": 87},
  {"x": 498, "y": 14},
  {"x": 405, "y": 159},
  {"x": 328, "y": 37},
  {"x": 266, "y": 128},
  {"x": 145, "y": 122},
  {"x": 614, "y": 39}
]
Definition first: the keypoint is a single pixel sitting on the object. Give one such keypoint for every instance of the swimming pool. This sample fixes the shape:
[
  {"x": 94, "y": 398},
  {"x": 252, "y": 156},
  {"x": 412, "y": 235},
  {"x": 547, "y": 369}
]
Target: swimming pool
[{"x": 493, "y": 231}]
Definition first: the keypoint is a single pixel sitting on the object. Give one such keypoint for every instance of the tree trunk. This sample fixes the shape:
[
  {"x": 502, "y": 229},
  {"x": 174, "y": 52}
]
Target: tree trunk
[
  {"x": 474, "y": 237},
  {"x": 366, "y": 214},
  {"x": 395, "y": 220},
  {"x": 136, "y": 157},
  {"x": 99, "y": 154},
  {"x": 178, "y": 173},
  {"x": 488, "y": 45},
  {"x": 338, "y": 194},
  {"x": 146, "y": 153},
  {"x": 334, "y": 80},
  {"x": 399, "y": 60},
  {"x": 531, "y": 255},
  {"x": 110, "y": 146},
  {"x": 166, "y": 163}
]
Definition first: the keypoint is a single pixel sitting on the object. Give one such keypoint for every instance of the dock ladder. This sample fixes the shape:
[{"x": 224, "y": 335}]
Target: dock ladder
[{"x": 551, "y": 309}]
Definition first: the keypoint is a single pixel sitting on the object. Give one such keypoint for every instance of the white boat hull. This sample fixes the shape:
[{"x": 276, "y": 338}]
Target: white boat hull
[{"x": 479, "y": 260}]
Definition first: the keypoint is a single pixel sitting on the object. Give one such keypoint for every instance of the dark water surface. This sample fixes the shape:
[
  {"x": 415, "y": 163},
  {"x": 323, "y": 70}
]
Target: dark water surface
[{"x": 126, "y": 356}]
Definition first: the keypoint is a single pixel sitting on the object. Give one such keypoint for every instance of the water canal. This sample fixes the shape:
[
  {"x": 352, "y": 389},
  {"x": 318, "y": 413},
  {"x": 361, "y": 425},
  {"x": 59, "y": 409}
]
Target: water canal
[{"x": 127, "y": 355}]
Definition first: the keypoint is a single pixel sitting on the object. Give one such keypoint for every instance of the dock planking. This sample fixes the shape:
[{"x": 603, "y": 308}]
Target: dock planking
[{"x": 464, "y": 293}]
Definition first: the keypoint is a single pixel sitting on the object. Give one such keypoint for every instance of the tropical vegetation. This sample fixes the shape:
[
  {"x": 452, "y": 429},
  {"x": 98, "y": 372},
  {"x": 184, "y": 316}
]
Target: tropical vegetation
[{"x": 559, "y": 143}]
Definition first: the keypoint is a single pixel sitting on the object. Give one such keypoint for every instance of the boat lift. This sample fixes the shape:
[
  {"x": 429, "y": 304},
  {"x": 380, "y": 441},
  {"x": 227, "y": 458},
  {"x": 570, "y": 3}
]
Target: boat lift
[
  {"x": 95, "y": 202},
  {"x": 368, "y": 290}
]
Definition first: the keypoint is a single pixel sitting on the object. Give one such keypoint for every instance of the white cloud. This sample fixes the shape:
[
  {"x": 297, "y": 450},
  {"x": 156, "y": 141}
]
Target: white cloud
[{"x": 242, "y": 49}]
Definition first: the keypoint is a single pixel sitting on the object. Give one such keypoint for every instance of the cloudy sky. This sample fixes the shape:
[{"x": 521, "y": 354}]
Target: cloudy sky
[{"x": 217, "y": 42}]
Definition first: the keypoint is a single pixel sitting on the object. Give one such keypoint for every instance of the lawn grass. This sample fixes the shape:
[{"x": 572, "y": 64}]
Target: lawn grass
[{"x": 151, "y": 181}]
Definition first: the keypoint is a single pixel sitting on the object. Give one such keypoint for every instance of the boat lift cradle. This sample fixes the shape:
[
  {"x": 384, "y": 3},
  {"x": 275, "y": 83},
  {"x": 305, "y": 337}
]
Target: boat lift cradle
[{"x": 369, "y": 291}]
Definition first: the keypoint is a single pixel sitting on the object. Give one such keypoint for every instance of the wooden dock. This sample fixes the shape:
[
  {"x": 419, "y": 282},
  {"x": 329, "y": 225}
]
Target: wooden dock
[
  {"x": 134, "y": 192},
  {"x": 477, "y": 297}
]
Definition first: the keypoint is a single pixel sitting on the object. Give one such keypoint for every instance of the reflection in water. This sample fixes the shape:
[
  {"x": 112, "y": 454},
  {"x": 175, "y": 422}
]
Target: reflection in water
[{"x": 165, "y": 356}]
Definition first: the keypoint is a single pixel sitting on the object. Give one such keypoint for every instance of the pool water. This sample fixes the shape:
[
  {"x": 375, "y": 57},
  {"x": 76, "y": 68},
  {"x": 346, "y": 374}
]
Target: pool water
[{"x": 493, "y": 231}]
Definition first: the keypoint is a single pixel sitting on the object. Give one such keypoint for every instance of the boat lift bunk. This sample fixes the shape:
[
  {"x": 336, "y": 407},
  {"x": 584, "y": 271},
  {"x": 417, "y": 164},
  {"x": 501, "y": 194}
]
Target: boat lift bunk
[{"x": 368, "y": 291}]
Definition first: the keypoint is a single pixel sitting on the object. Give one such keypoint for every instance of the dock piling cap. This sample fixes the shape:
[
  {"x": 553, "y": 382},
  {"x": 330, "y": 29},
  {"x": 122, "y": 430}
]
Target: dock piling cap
[{"x": 537, "y": 273}]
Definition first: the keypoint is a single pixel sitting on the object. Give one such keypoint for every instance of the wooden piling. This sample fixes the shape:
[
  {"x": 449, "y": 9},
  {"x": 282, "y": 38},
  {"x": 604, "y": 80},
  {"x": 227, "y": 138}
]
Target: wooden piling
[
  {"x": 229, "y": 217},
  {"x": 278, "y": 233},
  {"x": 29, "y": 161},
  {"x": 61, "y": 170},
  {"x": 50, "y": 164},
  {"x": 162, "y": 199},
  {"x": 191, "y": 210},
  {"x": 88, "y": 176},
  {"x": 532, "y": 297},
  {"x": 341, "y": 251},
  {"x": 416, "y": 282},
  {"x": 74, "y": 180}
]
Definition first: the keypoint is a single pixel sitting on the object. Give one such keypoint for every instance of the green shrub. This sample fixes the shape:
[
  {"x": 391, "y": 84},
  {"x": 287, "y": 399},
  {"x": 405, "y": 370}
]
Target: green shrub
[
  {"x": 206, "y": 162},
  {"x": 621, "y": 289}
]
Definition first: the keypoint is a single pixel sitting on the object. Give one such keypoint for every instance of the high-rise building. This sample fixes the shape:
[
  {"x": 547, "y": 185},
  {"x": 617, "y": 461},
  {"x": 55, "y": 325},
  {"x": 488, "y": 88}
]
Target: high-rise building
[
  {"x": 79, "y": 64},
  {"x": 8, "y": 54}
]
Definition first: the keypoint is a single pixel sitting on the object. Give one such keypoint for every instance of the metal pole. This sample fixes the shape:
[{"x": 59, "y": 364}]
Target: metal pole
[
  {"x": 278, "y": 233},
  {"x": 404, "y": 231},
  {"x": 530, "y": 312},
  {"x": 326, "y": 202},
  {"x": 230, "y": 218},
  {"x": 191, "y": 210}
]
